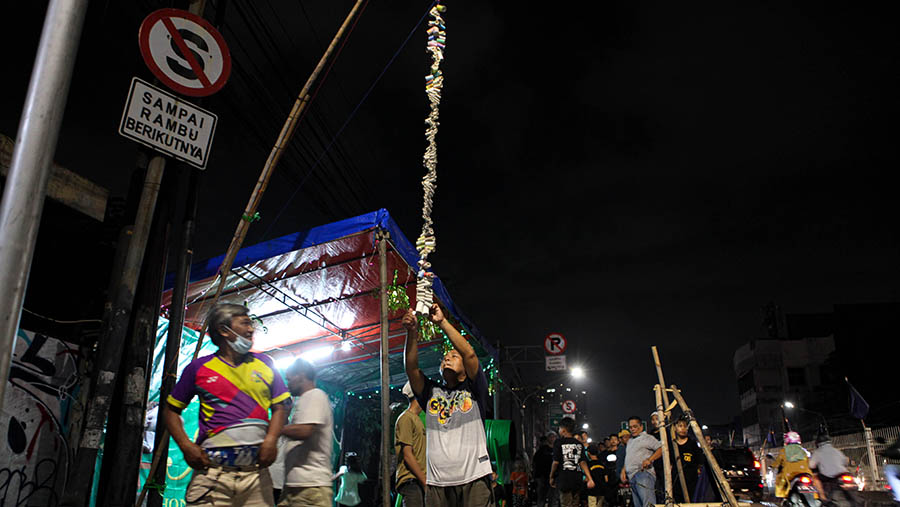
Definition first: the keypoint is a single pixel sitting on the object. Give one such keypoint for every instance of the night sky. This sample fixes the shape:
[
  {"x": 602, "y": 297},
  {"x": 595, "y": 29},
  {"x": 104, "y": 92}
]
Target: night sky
[{"x": 625, "y": 174}]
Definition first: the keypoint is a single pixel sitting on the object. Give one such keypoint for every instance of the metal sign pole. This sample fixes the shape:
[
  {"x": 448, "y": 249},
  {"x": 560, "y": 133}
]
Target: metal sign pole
[
  {"x": 26, "y": 184},
  {"x": 385, "y": 370}
]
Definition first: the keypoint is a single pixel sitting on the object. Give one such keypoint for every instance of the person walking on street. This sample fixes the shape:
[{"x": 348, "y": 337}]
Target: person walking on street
[
  {"x": 307, "y": 458},
  {"x": 624, "y": 436},
  {"x": 642, "y": 450},
  {"x": 350, "y": 476},
  {"x": 237, "y": 439},
  {"x": 540, "y": 465},
  {"x": 409, "y": 443},
  {"x": 569, "y": 457},
  {"x": 458, "y": 466}
]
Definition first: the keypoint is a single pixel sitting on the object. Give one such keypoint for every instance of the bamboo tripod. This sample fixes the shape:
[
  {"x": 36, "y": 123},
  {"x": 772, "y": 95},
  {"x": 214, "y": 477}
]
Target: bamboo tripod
[{"x": 663, "y": 411}]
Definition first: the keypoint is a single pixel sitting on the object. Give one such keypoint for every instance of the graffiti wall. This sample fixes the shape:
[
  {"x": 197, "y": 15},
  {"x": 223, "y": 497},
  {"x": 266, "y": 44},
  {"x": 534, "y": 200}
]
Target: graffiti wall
[{"x": 35, "y": 457}]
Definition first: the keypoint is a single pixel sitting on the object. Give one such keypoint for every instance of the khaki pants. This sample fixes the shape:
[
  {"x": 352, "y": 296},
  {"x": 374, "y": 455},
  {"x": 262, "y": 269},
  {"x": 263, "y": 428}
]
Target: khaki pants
[
  {"x": 595, "y": 501},
  {"x": 313, "y": 496},
  {"x": 473, "y": 494},
  {"x": 569, "y": 498},
  {"x": 216, "y": 487}
]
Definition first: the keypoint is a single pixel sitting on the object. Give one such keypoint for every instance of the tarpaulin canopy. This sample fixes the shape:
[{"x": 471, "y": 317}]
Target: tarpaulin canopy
[{"x": 315, "y": 292}]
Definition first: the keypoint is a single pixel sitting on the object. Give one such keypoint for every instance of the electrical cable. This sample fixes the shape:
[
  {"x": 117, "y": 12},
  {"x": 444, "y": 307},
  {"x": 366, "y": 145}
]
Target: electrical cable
[
  {"x": 82, "y": 321},
  {"x": 347, "y": 121}
]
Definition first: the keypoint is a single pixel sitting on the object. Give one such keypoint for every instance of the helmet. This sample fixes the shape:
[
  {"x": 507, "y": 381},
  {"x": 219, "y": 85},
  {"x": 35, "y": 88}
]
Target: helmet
[{"x": 791, "y": 437}]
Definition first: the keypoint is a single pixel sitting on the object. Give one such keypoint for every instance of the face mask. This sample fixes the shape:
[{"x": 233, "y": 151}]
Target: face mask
[{"x": 241, "y": 345}]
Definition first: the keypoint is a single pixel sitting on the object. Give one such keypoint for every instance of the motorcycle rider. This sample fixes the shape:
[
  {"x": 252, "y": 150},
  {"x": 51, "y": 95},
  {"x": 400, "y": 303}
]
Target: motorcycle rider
[
  {"x": 791, "y": 461},
  {"x": 828, "y": 464}
]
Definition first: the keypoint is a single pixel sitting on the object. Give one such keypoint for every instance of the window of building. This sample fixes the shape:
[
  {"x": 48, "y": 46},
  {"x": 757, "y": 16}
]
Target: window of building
[{"x": 796, "y": 377}]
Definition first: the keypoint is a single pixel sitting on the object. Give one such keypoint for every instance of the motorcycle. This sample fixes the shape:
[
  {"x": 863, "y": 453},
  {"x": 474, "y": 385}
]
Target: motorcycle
[
  {"x": 802, "y": 492},
  {"x": 841, "y": 490}
]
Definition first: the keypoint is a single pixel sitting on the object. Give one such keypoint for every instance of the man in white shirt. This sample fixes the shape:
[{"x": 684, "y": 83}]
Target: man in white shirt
[
  {"x": 828, "y": 464},
  {"x": 307, "y": 460}
]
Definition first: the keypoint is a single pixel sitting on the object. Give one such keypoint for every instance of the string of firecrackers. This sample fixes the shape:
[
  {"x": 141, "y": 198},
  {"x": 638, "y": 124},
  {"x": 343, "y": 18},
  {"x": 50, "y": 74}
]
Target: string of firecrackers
[{"x": 434, "y": 82}]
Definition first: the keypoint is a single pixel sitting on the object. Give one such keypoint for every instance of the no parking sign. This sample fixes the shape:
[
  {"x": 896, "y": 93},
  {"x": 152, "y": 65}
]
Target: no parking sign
[{"x": 185, "y": 52}]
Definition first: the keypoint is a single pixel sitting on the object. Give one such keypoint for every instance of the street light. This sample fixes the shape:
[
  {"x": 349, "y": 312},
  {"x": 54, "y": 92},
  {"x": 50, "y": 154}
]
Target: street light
[
  {"x": 789, "y": 405},
  {"x": 584, "y": 426},
  {"x": 578, "y": 372},
  {"x": 704, "y": 427}
]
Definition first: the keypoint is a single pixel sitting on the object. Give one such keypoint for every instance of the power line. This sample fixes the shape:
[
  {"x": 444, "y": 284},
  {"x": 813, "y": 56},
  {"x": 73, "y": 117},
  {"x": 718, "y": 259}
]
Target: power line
[{"x": 347, "y": 121}]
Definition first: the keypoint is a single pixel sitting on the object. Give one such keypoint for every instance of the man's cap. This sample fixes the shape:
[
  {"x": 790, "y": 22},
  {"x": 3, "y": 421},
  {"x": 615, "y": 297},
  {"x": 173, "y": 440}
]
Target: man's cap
[
  {"x": 624, "y": 432},
  {"x": 407, "y": 390}
]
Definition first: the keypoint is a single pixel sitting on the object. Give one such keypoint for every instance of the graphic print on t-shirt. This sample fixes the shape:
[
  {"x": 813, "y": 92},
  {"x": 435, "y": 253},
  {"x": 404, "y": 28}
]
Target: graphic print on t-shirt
[
  {"x": 571, "y": 456},
  {"x": 443, "y": 408}
]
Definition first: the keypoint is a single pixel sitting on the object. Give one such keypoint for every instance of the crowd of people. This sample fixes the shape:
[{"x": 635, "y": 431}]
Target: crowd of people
[
  {"x": 263, "y": 440},
  {"x": 622, "y": 469}
]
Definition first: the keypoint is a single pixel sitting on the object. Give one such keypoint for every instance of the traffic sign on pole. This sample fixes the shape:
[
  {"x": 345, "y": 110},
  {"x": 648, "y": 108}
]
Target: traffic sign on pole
[
  {"x": 568, "y": 406},
  {"x": 167, "y": 124},
  {"x": 185, "y": 52},
  {"x": 555, "y": 363},
  {"x": 554, "y": 344}
]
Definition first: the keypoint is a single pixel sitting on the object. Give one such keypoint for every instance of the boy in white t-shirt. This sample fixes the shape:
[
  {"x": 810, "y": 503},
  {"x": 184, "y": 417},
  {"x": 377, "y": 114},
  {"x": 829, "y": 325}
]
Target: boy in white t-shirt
[{"x": 456, "y": 456}]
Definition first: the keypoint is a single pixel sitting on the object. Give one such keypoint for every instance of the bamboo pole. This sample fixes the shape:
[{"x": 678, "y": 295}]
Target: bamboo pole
[
  {"x": 717, "y": 471},
  {"x": 240, "y": 233},
  {"x": 287, "y": 130},
  {"x": 665, "y": 399},
  {"x": 664, "y": 439}
]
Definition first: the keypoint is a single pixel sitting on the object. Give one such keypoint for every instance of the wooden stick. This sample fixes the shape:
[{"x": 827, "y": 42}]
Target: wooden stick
[
  {"x": 664, "y": 439},
  {"x": 240, "y": 233},
  {"x": 717, "y": 471},
  {"x": 665, "y": 399},
  {"x": 287, "y": 130}
]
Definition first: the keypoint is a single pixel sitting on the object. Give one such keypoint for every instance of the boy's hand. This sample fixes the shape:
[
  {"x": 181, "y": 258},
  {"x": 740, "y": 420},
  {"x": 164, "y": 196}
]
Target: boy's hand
[
  {"x": 437, "y": 316},
  {"x": 409, "y": 320},
  {"x": 590, "y": 484}
]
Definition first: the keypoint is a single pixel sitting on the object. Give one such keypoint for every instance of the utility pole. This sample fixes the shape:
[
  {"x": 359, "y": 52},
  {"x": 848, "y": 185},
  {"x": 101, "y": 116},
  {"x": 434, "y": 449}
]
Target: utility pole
[
  {"x": 26, "y": 184},
  {"x": 383, "y": 238},
  {"x": 112, "y": 343}
]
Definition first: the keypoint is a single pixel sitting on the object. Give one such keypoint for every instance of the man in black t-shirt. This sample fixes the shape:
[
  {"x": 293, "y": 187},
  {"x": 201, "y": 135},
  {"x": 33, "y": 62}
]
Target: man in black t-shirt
[
  {"x": 570, "y": 460},
  {"x": 691, "y": 457}
]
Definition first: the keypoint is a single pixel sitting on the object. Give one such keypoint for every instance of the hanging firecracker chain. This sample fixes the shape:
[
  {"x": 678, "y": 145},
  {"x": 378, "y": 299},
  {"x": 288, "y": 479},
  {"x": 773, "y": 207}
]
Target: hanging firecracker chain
[{"x": 434, "y": 82}]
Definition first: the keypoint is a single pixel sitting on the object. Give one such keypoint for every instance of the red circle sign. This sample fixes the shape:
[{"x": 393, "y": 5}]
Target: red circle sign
[
  {"x": 568, "y": 406},
  {"x": 185, "y": 52},
  {"x": 555, "y": 344}
]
